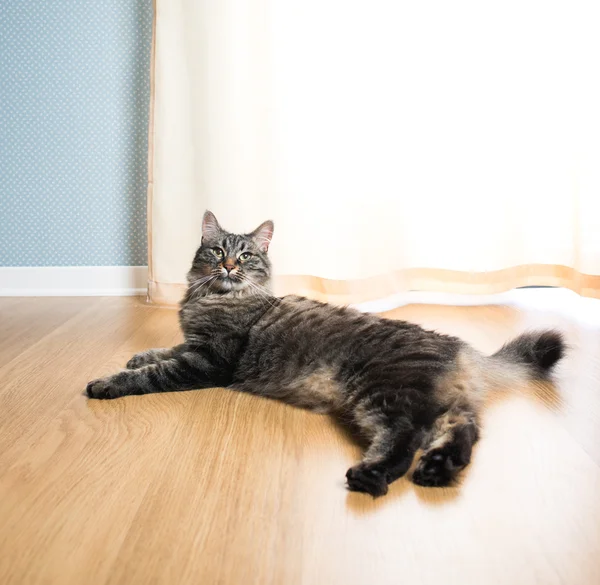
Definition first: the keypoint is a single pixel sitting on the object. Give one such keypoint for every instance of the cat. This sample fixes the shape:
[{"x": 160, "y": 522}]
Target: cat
[{"x": 398, "y": 385}]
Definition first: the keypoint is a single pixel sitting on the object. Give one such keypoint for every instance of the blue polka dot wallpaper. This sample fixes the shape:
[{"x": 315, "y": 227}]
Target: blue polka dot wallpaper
[{"x": 74, "y": 98}]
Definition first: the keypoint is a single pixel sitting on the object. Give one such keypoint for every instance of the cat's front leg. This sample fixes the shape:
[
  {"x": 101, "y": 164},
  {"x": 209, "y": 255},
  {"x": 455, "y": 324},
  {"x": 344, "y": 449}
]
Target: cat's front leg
[
  {"x": 113, "y": 386},
  {"x": 184, "y": 370},
  {"x": 151, "y": 356}
]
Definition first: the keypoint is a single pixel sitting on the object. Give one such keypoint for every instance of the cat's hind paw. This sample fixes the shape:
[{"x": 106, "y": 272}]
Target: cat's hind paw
[
  {"x": 368, "y": 480},
  {"x": 435, "y": 469}
]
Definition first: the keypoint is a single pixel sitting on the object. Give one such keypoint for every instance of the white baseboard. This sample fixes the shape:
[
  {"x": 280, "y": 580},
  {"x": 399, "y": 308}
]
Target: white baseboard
[{"x": 73, "y": 281}]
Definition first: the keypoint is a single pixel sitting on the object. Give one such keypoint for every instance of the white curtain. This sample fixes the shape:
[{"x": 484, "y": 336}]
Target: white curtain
[{"x": 396, "y": 144}]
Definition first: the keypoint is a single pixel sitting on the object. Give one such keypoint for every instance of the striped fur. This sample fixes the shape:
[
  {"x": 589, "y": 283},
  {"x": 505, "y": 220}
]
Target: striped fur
[{"x": 401, "y": 387}]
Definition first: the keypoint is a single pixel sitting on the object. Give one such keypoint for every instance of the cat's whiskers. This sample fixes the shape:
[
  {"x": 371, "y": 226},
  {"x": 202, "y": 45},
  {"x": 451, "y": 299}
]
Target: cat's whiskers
[
  {"x": 264, "y": 289},
  {"x": 255, "y": 289},
  {"x": 201, "y": 281},
  {"x": 257, "y": 286},
  {"x": 259, "y": 290},
  {"x": 196, "y": 286}
]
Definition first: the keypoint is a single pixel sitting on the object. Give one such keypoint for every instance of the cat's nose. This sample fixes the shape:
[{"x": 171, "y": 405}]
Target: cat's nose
[{"x": 229, "y": 265}]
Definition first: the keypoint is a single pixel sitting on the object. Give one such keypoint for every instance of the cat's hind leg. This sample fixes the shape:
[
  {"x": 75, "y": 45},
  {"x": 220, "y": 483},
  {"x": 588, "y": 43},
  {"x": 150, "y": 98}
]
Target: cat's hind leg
[
  {"x": 389, "y": 456},
  {"x": 449, "y": 443},
  {"x": 448, "y": 449}
]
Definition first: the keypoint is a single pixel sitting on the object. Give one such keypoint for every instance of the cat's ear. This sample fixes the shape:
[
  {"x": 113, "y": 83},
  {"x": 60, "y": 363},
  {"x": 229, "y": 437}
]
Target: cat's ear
[
  {"x": 262, "y": 235},
  {"x": 210, "y": 226}
]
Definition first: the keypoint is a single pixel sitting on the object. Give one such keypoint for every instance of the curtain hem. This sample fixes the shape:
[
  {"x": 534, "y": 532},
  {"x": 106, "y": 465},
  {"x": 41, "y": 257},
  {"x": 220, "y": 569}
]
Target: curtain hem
[{"x": 419, "y": 279}]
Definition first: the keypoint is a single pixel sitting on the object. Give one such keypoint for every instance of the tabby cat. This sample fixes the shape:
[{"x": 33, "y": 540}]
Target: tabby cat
[{"x": 401, "y": 387}]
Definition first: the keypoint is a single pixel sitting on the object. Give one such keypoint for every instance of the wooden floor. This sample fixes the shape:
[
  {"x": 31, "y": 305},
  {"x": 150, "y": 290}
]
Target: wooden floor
[{"x": 214, "y": 487}]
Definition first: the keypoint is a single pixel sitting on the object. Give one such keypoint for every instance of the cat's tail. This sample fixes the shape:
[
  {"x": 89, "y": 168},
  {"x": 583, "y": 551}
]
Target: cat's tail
[{"x": 531, "y": 356}]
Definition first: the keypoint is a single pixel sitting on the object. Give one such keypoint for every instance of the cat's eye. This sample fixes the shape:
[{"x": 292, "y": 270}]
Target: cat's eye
[
  {"x": 245, "y": 256},
  {"x": 218, "y": 252}
]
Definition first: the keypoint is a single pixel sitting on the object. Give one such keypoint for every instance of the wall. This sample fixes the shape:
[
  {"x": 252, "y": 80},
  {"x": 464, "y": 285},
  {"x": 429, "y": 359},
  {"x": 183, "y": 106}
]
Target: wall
[{"x": 74, "y": 95}]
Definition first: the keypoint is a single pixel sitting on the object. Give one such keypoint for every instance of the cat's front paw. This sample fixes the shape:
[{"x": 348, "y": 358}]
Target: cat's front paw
[
  {"x": 148, "y": 357},
  {"x": 138, "y": 360},
  {"x": 103, "y": 388}
]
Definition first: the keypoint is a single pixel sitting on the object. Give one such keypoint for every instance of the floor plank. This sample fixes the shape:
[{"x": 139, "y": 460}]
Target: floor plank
[
  {"x": 218, "y": 487},
  {"x": 24, "y": 322}
]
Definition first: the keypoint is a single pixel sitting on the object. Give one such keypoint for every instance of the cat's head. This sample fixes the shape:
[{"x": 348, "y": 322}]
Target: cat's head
[{"x": 227, "y": 262}]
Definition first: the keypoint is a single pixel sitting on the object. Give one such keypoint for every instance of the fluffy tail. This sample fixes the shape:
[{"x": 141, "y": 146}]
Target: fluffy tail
[{"x": 531, "y": 355}]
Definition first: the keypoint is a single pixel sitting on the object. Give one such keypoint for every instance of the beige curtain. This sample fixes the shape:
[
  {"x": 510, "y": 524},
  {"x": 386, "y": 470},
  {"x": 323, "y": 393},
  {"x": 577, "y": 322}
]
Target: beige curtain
[{"x": 448, "y": 146}]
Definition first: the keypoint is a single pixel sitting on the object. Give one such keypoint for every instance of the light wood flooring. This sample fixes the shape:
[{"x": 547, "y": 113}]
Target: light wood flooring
[{"x": 214, "y": 487}]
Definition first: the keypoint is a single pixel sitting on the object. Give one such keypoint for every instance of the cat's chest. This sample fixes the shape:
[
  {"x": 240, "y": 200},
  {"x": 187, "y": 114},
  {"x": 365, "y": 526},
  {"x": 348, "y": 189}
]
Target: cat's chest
[{"x": 213, "y": 318}]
